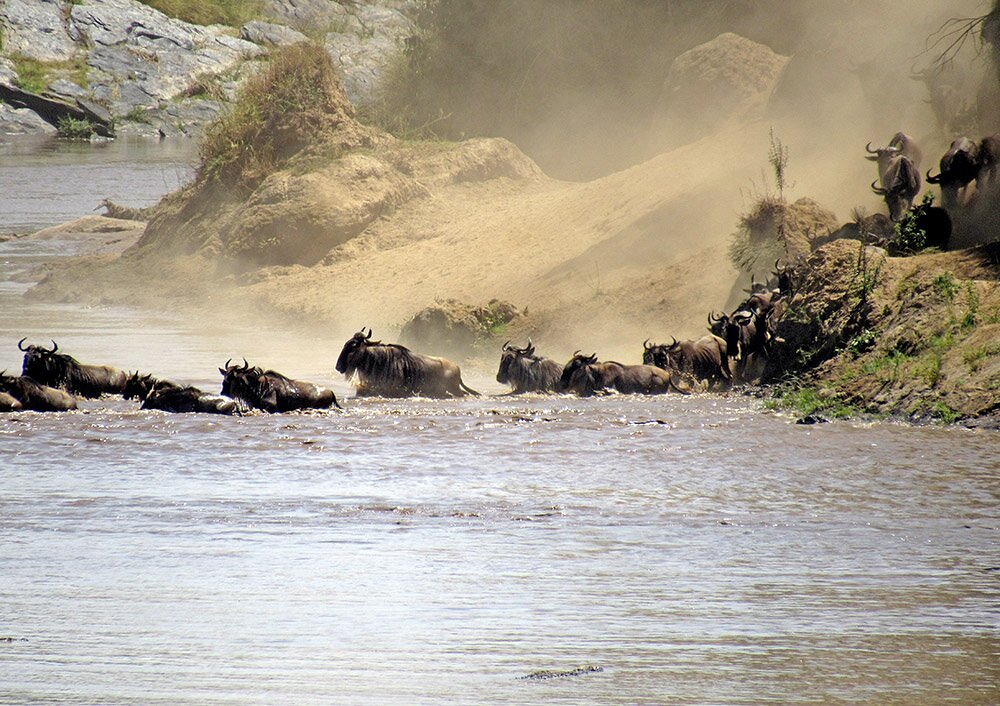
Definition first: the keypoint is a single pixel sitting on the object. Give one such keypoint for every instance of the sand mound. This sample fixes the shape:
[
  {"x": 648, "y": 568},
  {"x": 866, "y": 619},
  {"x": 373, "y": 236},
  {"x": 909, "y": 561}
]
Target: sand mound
[{"x": 452, "y": 328}]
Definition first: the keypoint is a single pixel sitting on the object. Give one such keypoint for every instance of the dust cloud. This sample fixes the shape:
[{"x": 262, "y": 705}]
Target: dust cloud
[{"x": 623, "y": 233}]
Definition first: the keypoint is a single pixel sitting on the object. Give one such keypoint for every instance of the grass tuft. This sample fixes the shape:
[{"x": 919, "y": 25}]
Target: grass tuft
[
  {"x": 234, "y": 13},
  {"x": 278, "y": 112}
]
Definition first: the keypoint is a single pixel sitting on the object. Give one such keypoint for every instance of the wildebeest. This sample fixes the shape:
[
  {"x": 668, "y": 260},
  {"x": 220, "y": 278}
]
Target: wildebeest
[
  {"x": 746, "y": 334},
  {"x": 988, "y": 162},
  {"x": 35, "y": 396},
  {"x": 585, "y": 376},
  {"x": 272, "y": 391},
  {"x": 49, "y": 367},
  {"x": 8, "y": 403},
  {"x": 392, "y": 370},
  {"x": 959, "y": 166},
  {"x": 526, "y": 372},
  {"x": 899, "y": 179},
  {"x": 171, "y": 397},
  {"x": 705, "y": 359},
  {"x": 908, "y": 148}
]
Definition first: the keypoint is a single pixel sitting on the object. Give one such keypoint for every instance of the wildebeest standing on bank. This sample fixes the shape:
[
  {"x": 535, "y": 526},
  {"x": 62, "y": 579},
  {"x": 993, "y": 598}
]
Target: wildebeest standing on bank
[
  {"x": 959, "y": 166},
  {"x": 526, "y": 372},
  {"x": 271, "y": 391},
  {"x": 171, "y": 397},
  {"x": 392, "y": 370},
  {"x": 585, "y": 376},
  {"x": 705, "y": 358},
  {"x": 35, "y": 396},
  {"x": 898, "y": 177},
  {"x": 49, "y": 367}
]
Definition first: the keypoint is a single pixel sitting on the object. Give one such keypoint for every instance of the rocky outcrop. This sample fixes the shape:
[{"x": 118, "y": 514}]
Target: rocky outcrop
[
  {"x": 453, "y": 328},
  {"x": 159, "y": 76},
  {"x": 729, "y": 77},
  {"x": 38, "y": 30}
]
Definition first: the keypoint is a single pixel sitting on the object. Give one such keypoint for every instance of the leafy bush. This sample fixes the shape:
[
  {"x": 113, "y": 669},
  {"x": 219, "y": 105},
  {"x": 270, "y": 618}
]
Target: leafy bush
[
  {"x": 910, "y": 238},
  {"x": 74, "y": 128}
]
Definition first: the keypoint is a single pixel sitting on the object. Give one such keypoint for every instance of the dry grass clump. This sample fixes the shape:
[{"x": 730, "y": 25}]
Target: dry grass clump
[{"x": 296, "y": 102}]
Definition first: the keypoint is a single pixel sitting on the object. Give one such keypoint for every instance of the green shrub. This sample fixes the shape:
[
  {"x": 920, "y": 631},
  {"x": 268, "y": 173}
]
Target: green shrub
[
  {"x": 73, "y": 128},
  {"x": 910, "y": 238},
  {"x": 945, "y": 284}
]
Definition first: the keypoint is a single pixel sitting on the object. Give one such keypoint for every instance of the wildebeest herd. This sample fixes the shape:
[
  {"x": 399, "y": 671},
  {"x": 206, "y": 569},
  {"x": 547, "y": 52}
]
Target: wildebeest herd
[
  {"x": 51, "y": 380},
  {"x": 965, "y": 162}
]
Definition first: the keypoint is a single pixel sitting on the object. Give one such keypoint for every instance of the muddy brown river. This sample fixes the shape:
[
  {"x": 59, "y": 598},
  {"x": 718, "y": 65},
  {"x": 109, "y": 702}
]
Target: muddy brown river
[{"x": 622, "y": 550}]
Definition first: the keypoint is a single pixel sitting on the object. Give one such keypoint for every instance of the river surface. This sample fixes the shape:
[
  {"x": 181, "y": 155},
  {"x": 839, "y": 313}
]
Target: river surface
[{"x": 667, "y": 550}]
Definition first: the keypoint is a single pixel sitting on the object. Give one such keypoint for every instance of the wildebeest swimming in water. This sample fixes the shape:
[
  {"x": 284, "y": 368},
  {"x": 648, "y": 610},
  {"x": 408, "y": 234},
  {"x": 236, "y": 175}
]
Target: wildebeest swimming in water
[
  {"x": 526, "y": 372},
  {"x": 9, "y": 404},
  {"x": 271, "y": 391},
  {"x": 392, "y": 370},
  {"x": 35, "y": 396},
  {"x": 585, "y": 376},
  {"x": 49, "y": 367},
  {"x": 704, "y": 359},
  {"x": 171, "y": 397}
]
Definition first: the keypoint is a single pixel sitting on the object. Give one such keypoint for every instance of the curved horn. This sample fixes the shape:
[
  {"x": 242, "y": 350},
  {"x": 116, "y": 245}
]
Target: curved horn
[
  {"x": 506, "y": 346},
  {"x": 246, "y": 365},
  {"x": 20, "y": 342},
  {"x": 369, "y": 336},
  {"x": 877, "y": 190},
  {"x": 530, "y": 344},
  {"x": 674, "y": 341},
  {"x": 869, "y": 150},
  {"x": 645, "y": 344},
  {"x": 55, "y": 346},
  {"x": 933, "y": 179},
  {"x": 227, "y": 364}
]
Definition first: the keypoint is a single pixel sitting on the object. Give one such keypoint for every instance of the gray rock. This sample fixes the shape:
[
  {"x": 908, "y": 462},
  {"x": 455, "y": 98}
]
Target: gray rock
[
  {"x": 364, "y": 49},
  {"x": 271, "y": 34},
  {"x": 304, "y": 13},
  {"x": 8, "y": 75},
  {"x": 65, "y": 89},
  {"x": 131, "y": 129},
  {"x": 22, "y": 121},
  {"x": 141, "y": 56},
  {"x": 37, "y": 29}
]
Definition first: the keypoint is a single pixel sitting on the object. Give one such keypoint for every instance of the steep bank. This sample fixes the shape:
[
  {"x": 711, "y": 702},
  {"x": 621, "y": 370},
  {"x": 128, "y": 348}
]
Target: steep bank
[{"x": 915, "y": 337}]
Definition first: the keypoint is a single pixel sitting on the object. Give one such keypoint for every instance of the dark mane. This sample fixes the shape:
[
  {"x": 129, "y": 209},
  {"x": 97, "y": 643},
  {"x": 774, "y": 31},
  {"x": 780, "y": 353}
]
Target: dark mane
[{"x": 391, "y": 363}]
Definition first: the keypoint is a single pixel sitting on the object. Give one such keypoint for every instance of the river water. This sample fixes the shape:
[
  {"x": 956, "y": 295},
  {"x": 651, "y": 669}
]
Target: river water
[{"x": 693, "y": 550}]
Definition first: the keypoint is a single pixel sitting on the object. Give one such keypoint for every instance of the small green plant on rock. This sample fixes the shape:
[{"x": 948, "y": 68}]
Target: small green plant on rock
[{"x": 74, "y": 128}]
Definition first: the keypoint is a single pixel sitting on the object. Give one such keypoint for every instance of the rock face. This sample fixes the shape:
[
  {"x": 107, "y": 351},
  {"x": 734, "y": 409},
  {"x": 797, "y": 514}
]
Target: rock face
[
  {"x": 268, "y": 34},
  {"x": 38, "y": 30},
  {"x": 728, "y": 77}
]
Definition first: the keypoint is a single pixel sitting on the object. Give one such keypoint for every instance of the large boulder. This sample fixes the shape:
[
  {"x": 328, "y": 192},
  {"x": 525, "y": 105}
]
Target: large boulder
[
  {"x": 38, "y": 29},
  {"x": 727, "y": 78},
  {"x": 453, "y": 328}
]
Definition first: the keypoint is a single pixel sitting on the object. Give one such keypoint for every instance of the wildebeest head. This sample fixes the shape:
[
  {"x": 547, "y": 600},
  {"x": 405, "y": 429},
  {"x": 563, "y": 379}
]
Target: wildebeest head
[
  {"x": 784, "y": 278},
  {"x": 42, "y": 363},
  {"x": 510, "y": 356},
  {"x": 717, "y": 324},
  {"x": 662, "y": 355},
  {"x": 137, "y": 386},
  {"x": 353, "y": 350},
  {"x": 575, "y": 367}
]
